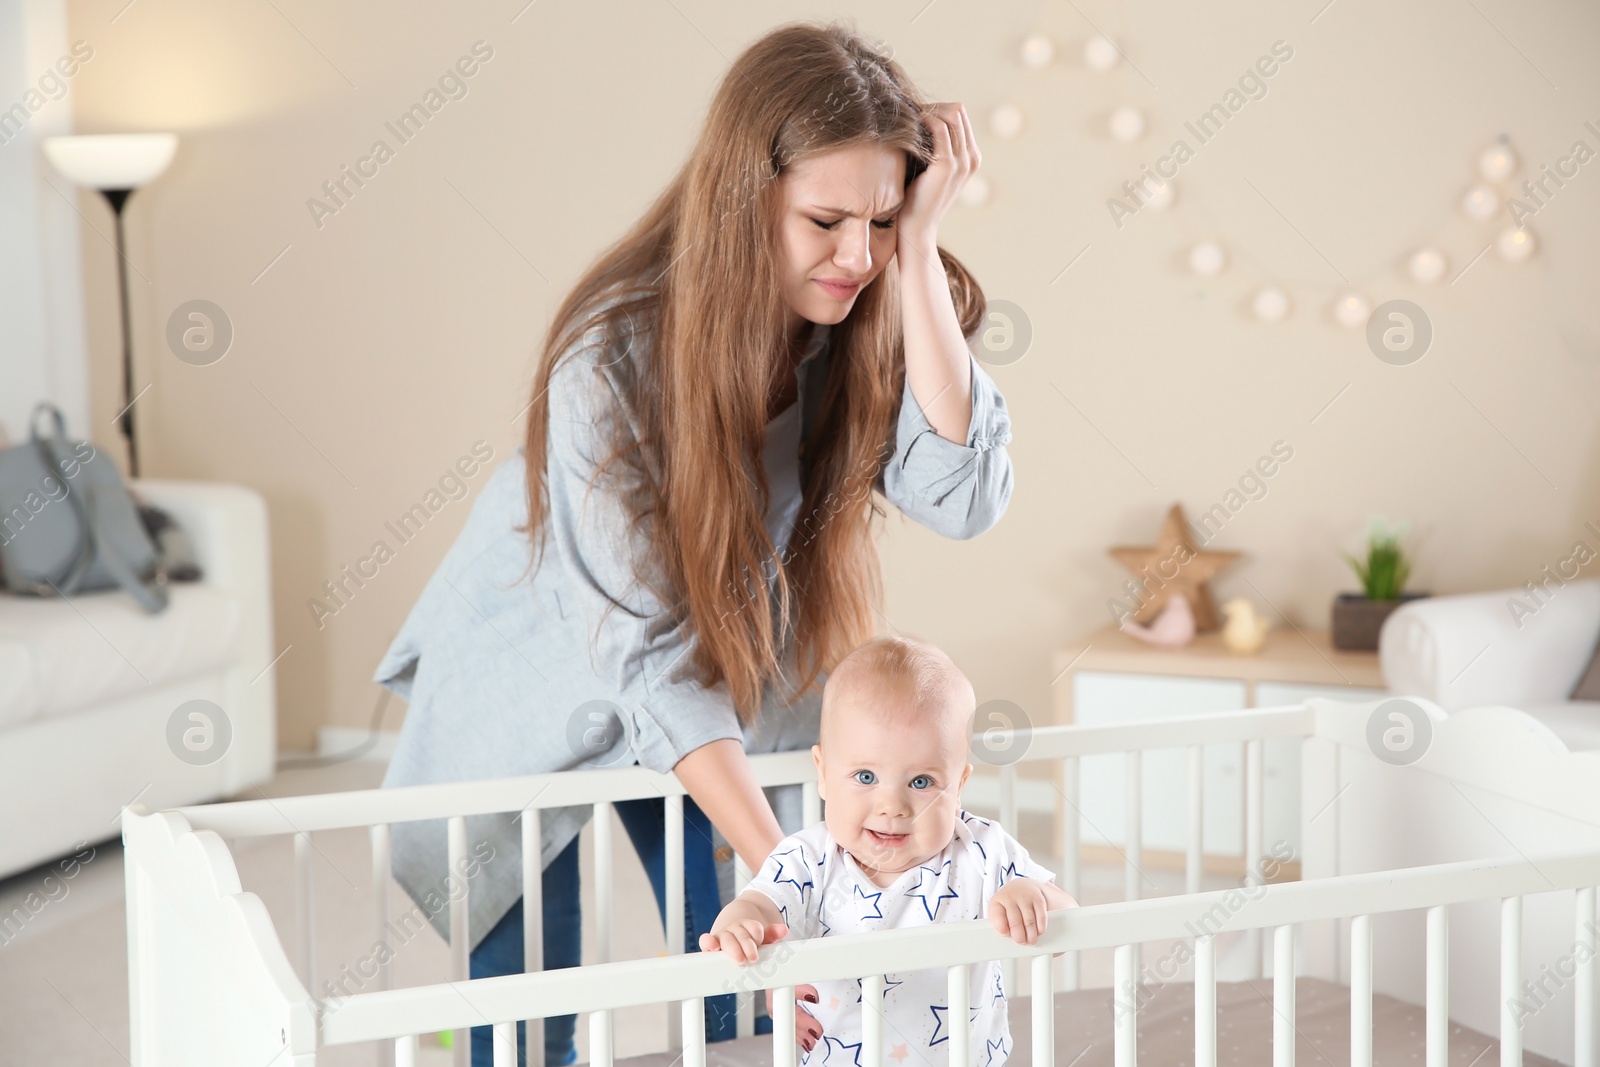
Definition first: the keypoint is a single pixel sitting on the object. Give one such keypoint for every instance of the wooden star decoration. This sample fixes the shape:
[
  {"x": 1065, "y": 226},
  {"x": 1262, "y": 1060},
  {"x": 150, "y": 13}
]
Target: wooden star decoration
[{"x": 1173, "y": 566}]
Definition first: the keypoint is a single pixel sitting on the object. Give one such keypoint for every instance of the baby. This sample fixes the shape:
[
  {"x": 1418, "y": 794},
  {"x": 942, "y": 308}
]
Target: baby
[{"x": 894, "y": 850}]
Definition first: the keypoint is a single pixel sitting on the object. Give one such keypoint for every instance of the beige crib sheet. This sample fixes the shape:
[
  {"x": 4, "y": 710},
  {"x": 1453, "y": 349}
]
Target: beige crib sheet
[{"x": 1166, "y": 1031}]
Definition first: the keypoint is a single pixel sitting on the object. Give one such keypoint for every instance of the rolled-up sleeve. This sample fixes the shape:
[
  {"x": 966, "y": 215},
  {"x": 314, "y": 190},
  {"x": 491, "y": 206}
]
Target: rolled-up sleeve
[
  {"x": 958, "y": 491},
  {"x": 639, "y": 649}
]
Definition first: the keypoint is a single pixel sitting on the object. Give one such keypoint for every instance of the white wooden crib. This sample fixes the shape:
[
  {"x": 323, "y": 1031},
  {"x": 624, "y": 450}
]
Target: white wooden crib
[{"x": 212, "y": 982}]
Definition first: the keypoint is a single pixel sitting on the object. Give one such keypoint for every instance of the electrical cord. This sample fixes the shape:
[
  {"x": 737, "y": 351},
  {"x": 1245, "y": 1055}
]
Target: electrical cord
[{"x": 362, "y": 749}]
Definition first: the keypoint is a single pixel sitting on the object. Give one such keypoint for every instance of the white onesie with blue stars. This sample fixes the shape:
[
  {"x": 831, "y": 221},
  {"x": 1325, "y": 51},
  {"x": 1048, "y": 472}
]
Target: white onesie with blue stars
[{"x": 819, "y": 890}]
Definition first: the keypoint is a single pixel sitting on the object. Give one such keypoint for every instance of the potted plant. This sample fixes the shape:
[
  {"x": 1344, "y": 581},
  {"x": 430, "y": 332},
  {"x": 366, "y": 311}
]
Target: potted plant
[{"x": 1358, "y": 617}]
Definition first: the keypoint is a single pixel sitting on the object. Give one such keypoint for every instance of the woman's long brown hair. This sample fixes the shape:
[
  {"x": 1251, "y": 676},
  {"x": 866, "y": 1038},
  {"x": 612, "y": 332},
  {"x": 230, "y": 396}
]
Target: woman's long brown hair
[{"x": 700, "y": 270}]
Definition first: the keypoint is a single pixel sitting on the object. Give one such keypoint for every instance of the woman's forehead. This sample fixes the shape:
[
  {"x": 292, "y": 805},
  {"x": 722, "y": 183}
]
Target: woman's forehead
[{"x": 860, "y": 179}]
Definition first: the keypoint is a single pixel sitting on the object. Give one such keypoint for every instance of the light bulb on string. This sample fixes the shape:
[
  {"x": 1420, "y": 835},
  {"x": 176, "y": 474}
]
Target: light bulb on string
[
  {"x": 1127, "y": 123},
  {"x": 1271, "y": 304},
  {"x": 1497, "y": 161},
  {"x": 1427, "y": 265},
  {"x": 1481, "y": 203},
  {"x": 1351, "y": 310},
  {"x": 1099, "y": 53},
  {"x": 1160, "y": 197},
  {"x": 1516, "y": 245},
  {"x": 1006, "y": 121},
  {"x": 1037, "y": 51},
  {"x": 1207, "y": 259},
  {"x": 976, "y": 192}
]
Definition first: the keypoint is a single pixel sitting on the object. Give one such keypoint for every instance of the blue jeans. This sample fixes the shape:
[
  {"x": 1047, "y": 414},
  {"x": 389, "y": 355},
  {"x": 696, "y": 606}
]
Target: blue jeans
[{"x": 501, "y": 951}]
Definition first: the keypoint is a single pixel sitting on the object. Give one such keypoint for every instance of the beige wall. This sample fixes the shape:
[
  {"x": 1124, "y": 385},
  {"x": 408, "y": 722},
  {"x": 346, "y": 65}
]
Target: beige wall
[{"x": 385, "y": 342}]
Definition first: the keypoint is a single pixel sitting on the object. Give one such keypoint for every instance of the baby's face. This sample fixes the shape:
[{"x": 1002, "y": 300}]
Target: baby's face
[{"x": 893, "y": 789}]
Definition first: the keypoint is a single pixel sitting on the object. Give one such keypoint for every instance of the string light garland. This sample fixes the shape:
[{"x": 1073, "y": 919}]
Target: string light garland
[{"x": 1482, "y": 202}]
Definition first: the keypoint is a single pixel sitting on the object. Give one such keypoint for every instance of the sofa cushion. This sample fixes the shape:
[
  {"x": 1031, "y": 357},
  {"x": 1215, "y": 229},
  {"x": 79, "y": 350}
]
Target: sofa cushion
[
  {"x": 60, "y": 655},
  {"x": 1575, "y": 722},
  {"x": 1588, "y": 687}
]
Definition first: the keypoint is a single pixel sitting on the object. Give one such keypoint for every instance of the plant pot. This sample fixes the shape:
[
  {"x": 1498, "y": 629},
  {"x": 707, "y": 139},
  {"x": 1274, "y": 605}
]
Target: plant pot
[{"x": 1357, "y": 620}]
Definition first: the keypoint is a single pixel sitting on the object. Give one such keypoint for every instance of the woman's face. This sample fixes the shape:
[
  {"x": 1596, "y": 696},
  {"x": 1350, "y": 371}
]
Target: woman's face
[{"x": 838, "y": 219}]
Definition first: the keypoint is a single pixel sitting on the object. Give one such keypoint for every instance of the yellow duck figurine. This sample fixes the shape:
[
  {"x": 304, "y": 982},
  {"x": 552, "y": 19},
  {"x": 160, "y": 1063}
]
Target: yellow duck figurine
[{"x": 1244, "y": 632}]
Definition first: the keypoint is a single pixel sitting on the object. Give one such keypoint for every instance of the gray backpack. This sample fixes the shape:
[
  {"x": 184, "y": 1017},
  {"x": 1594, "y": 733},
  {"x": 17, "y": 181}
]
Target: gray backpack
[{"x": 68, "y": 523}]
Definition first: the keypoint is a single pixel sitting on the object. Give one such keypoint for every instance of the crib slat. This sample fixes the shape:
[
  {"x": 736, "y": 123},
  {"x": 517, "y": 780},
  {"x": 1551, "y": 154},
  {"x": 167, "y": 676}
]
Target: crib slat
[
  {"x": 960, "y": 999},
  {"x": 1283, "y": 996},
  {"x": 1043, "y": 1002},
  {"x": 378, "y": 835},
  {"x": 533, "y": 920},
  {"x": 305, "y": 908},
  {"x": 810, "y": 804},
  {"x": 1510, "y": 981},
  {"x": 1205, "y": 1001},
  {"x": 1125, "y": 1008},
  {"x": 460, "y": 946},
  {"x": 1070, "y": 828},
  {"x": 600, "y": 1050},
  {"x": 1438, "y": 982},
  {"x": 1252, "y": 843},
  {"x": 1008, "y": 819},
  {"x": 744, "y": 1019},
  {"x": 674, "y": 874},
  {"x": 405, "y": 1051},
  {"x": 505, "y": 1044},
  {"x": 1583, "y": 983},
  {"x": 783, "y": 1022},
  {"x": 1008, "y": 798},
  {"x": 691, "y": 1018},
  {"x": 1197, "y": 796},
  {"x": 675, "y": 895},
  {"x": 1133, "y": 822},
  {"x": 603, "y": 897},
  {"x": 1361, "y": 991},
  {"x": 872, "y": 1020}
]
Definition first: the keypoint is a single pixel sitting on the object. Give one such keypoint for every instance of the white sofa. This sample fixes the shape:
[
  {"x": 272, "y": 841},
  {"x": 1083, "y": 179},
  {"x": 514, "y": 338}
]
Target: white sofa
[
  {"x": 88, "y": 685},
  {"x": 1464, "y": 651}
]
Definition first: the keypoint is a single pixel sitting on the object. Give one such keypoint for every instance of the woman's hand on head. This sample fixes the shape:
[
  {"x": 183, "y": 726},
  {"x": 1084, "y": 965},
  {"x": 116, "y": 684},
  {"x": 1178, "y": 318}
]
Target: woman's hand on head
[{"x": 955, "y": 159}]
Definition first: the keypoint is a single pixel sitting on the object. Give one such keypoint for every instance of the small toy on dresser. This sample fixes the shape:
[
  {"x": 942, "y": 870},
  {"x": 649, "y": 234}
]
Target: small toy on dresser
[{"x": 1245, "y": 631}]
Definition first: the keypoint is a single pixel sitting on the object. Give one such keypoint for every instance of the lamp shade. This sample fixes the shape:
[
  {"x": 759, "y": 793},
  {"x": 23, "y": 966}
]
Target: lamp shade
[{"x": 112, "y": 160}]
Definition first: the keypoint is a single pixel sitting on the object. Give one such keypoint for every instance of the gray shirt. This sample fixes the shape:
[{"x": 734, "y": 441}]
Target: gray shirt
[{"x": 508, "y": 674}]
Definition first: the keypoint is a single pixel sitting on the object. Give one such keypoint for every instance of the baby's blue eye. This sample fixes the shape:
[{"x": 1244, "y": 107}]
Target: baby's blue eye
[
  {"x": 865, "y": 777},
  {"x": 922, "y": 781}
]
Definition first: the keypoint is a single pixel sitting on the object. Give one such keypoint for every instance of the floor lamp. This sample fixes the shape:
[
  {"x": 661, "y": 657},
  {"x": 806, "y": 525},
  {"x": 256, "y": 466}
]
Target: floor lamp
[{"x": 116, "y": 164}]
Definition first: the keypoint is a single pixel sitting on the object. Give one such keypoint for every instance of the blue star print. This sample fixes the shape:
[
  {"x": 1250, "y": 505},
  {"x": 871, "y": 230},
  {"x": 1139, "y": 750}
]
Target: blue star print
[
  {"x": 828, "y": 1044},
  {"x": 877, "y": 913},
  {"x": 996, "y": 1046},
  {"x": 969, "y": 819},
  {"x": 799, "y": 886},
  {"x": 922, "y": 880},
  {"x": 888, "y": 984},
  {"x": 939, "y": 1021},
  {"x": 999, "y": 991}
]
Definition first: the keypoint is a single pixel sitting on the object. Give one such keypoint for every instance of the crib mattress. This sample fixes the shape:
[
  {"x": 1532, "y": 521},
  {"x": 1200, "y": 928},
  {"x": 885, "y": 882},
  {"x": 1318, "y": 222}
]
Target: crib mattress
[{"x": 1166, "y": 1031}]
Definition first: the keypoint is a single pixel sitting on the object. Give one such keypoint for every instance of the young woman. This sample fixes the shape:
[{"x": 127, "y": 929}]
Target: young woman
[{"x": 666, "y": 570}]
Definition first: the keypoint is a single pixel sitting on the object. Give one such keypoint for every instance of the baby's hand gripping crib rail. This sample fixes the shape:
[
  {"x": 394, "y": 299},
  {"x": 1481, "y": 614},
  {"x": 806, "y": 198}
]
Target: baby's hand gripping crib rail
[{"x": 211, "y": 982}]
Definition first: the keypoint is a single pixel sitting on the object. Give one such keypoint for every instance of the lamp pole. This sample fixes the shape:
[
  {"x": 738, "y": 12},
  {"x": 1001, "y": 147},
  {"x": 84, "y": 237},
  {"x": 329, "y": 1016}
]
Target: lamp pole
[{"x": 117, "y": 198}]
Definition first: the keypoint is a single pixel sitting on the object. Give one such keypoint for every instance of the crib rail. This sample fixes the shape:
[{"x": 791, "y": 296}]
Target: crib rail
[
  {"x": 601, "y": 989},
  {"x": 530, "y": 795}
]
